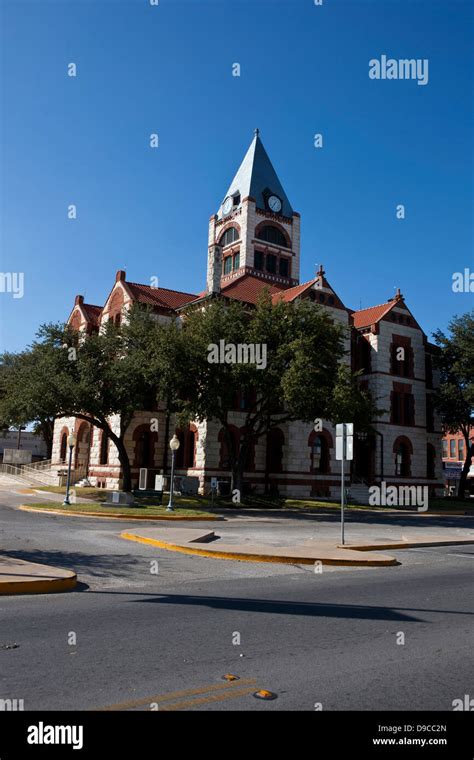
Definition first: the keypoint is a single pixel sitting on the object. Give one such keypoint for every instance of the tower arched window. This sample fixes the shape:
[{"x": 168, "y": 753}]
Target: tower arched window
[
  {"x": 230, "y": 236},
  {"x": 272, "y": 234}
]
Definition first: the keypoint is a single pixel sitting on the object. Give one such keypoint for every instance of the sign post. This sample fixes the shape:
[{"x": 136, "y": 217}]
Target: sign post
[{"x": 344, "y": 452}]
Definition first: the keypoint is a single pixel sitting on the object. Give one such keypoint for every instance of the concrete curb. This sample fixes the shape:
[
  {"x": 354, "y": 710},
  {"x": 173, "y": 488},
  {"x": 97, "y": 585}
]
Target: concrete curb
[
  {"x": 379, "y": 561},
  {"x": 70, "y": 513},
  {"x": 408, "y": 544},
  {"x": 21, "y": 577}
]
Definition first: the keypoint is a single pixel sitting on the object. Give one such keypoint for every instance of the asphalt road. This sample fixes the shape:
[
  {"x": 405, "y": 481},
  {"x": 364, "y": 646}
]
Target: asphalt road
[{"x": 133, "y": 639}]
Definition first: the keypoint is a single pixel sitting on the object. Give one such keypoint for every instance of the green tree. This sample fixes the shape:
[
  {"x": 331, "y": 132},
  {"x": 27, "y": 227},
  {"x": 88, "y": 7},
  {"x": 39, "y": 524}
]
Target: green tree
[
  {"x": 455, "y": 398},
  {"x": 91, "y": 377},
  {"x": 302, "y": 378},
  {"x": 16, "y": 409}
]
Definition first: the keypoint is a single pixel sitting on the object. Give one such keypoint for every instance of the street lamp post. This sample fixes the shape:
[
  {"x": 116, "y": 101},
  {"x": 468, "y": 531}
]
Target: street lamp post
[
  {"x": 174, "y": 446},
  {"x": 71, "y": 442}
]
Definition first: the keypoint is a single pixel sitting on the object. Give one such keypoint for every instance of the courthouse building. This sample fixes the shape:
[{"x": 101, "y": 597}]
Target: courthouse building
[{"x": 254, "y": 243}]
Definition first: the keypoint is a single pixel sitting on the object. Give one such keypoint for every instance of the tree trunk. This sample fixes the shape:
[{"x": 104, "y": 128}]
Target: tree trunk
[
  {"x": 238, "y": 468},
  {"x": 124, "y": 461},
  {"x": 46, "y": 429},
  {"x": 465, "y": 470},
  {"x": 237, "y": 480}
]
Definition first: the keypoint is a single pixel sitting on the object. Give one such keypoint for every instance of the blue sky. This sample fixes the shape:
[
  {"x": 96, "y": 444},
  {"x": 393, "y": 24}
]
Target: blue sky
[{"x": 167, "y": 69}]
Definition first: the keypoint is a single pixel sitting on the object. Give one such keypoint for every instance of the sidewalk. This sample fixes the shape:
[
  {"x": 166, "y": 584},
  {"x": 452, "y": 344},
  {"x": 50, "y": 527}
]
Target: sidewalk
[
  {"x": 20, "y": 577},
  {"x": 206, "y": 543}
]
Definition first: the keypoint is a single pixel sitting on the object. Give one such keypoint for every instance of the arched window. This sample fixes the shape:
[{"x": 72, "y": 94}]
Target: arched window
[
  {"x": 104, "y": 448},
  {"x": 63, "y": 448},
  {"x": 402, "y": 451},
  {"x": 430, "y": 461},
  {"x": 143, "y": 453},
  {"x": 275, "y": 441},
  {"x": 189, "y": 458},
  {"x": 82, "y": 450},
  {"x": 179, "y": 456},
  {"x": 230, "y": 236},
  {"x": 363, "y": 355},
  {"x": 224, "y": 451},
  {"x": 186, "y": 455},
  {"x": 273, "y": 235},
  {"x": 319, "y": 454}
]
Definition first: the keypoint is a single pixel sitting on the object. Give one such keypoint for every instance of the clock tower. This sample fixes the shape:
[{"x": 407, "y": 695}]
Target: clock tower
[{"x": 255, "y": 231}]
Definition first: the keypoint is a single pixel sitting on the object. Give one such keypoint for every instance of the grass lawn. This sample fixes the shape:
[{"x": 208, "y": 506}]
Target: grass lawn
[
  {"x": 98, "y": 494},
  {"x": 199, "y": 503},
  {"x": 150, "y": 510}
]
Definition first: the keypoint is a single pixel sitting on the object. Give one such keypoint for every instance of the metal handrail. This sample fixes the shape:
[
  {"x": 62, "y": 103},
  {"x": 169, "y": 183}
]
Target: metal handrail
[
  {"x": 44, "y": 464},
  {"x": 20, "y": 472}
]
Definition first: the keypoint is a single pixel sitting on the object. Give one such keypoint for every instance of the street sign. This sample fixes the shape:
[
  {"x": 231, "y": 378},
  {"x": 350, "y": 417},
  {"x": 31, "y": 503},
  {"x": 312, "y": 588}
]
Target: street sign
[
  {"x": 214, "y": 484},
  {"x": 349, "y": 448},
  {"x": 344, "y": 452},
  {"x": 344, "y": 441}
]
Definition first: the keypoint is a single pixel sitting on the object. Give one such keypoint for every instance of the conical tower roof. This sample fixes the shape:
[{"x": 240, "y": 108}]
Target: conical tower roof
[{"x": 257, "y": 178}]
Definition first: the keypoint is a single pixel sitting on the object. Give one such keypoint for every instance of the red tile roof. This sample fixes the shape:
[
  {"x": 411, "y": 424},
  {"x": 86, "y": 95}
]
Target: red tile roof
[
  {"x": 161, "y": 297},
  {"x": 292, "y": 293},
  {"x": 367, "y": 317},
  {"x": 248, "y": 288},
  {"x": 92, "y": 312}
]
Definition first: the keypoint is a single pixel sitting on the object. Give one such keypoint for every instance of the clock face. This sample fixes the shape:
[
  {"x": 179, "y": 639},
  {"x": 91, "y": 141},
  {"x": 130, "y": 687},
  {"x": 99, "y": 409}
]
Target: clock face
[
  {"x": 274, "y": 204},
  {"x": 227, "y": 205}
]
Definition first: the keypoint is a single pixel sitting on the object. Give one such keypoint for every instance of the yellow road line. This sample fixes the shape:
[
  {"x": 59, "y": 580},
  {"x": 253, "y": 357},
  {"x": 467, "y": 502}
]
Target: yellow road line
[
  {"x": 234, "y": 694},
  {"x": 177, "y": 694}
]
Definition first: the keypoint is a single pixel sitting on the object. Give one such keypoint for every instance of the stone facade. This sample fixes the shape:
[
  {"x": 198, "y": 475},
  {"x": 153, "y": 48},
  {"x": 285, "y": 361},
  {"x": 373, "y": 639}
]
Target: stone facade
[{"x": 384, "y": 342}]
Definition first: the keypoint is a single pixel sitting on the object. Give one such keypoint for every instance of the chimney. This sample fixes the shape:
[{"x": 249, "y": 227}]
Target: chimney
[
  {"x": 214, "y": 269},
  {"x": 120, "y": 276},
  {"x": 78, "y": 300}
]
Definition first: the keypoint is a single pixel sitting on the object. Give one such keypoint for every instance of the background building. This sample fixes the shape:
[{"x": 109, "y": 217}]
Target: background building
[
  {"x": 9, "y": 439},
  {"x": 454, "y": 456}
]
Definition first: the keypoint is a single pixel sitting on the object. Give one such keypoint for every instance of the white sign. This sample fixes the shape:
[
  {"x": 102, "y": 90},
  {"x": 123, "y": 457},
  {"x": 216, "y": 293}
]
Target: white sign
[
  {"x": 344, "y": 441},
  {"x": 214, "y": 484},
  {"x": 159, "y": 482},
  {"x": 142, "y": 478},
  {"x": 349, "y": 447}
]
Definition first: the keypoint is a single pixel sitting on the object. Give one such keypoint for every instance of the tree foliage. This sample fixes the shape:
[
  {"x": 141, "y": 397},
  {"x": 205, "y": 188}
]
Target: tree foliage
[{"x": 455, "y": 399}]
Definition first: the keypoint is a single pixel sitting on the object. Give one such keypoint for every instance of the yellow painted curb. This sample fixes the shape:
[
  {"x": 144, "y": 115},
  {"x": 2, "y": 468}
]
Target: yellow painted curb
[
  {"x": 242, "y": 556},
  {"x": 405, "y": 545},
  {"x": 70, "y": 513},
  {"x": 41, "y": 586}
]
